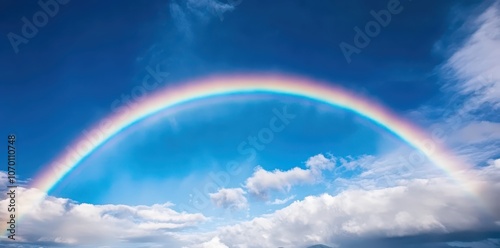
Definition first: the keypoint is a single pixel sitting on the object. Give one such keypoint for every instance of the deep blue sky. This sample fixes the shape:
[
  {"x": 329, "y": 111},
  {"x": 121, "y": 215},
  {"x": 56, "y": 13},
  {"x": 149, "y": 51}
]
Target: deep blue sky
[
  {"x": 91, "y": 52},
  {"x": 69, "y": 75}
]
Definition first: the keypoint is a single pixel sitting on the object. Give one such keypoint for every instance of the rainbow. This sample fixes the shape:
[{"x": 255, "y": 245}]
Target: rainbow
[{"x": 217, "y": 86}]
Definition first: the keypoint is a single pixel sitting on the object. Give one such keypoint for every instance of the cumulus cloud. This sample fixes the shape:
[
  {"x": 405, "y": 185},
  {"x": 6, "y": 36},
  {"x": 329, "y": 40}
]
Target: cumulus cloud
[
  {"x": 263, "y": 181},
  {"x": 415, "y": 207},
  {"x": 320, "y": 162},
  {"x": 436, "y": 206},
  {"x": 213, "y": 243},
  {"x": 54, "y": 221},
  {"x": 495, "y": 163},
  {"x": 233, "y": 198}
]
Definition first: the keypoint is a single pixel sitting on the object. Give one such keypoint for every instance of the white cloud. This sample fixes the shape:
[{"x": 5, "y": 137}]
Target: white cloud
[
  {"x": 320, "y": 162},
  {"x": 352, "y": 163},
  {"x": 62, "y": 221},
  {"x": 233, "y": 198},
  {"x": 210, "y": 8},
  {"x": 263, "y": 181},
  {"x": 180, "y": 19},
  {"x": 495, "y": 163},
  {"x": 478, "y": 132},
  {"x": 213, "y": 243},
  {"x": 414, "y": 206},
  {"x": 282, "y": 201},
  {"x": 382, "y": 171},
  {"x": 475, "y": 63},
  {"x": 187, "y": 13},
  {"x": 417, "y": 206},
  {"x": 476, "y": 141}
]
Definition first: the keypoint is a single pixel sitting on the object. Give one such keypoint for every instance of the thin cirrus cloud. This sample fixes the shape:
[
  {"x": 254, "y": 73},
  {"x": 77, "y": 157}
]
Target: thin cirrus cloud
[
  {"x": 468, "y": 122},
  {"x": 478, "y": 132},
  {"x": 475, "y": 64},
  {"x": 473, "y": 72},
  {"x": 282, "y": 201},
  {"x": 187, "y": 14}
]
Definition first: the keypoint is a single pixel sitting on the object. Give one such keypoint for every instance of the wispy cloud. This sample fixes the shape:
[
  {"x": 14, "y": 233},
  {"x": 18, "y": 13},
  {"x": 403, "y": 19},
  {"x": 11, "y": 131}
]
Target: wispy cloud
[
  {"x": 188, "y": 14},
  {"x": 475, "y": 63},
  {"x": 282, "y": 201},
  {"x": 206, "y": 9},
  {"x": 478, "y": 132},
  {"x": 181, "y": 19},
  {"x": 468, "y": 120}
]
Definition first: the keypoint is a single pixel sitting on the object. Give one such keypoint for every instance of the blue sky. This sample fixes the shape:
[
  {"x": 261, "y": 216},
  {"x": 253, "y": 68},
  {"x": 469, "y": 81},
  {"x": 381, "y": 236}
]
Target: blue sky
[{"x": 330, "y": 177}]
